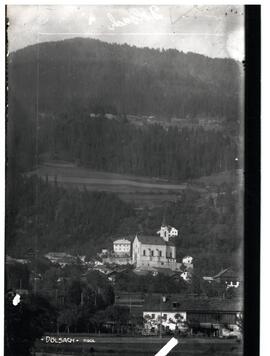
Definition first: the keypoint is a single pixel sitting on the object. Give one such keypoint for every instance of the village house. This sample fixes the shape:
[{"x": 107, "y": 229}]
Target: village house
[
  {"x": 184, "y": 314},
  {"x": 231, "y": 279},
  {"x": 122, "y": 247},
  {"x": 204, "y": 315},
  {"x": 120, "y": 255},
  {"x": 61, "y": 258},
  {"x": 167, "y": 231},
  {"x": 227, "y": 277}
]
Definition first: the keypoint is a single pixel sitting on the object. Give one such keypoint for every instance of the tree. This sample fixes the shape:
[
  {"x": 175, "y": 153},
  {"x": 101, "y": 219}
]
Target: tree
[
  {"x": 26, "y": 322},
  {"x": 68, "y": 318}
]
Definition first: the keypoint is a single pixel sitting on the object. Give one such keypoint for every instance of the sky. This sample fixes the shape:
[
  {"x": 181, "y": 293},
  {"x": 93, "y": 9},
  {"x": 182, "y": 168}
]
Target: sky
[{"x": 215, "y": 31}]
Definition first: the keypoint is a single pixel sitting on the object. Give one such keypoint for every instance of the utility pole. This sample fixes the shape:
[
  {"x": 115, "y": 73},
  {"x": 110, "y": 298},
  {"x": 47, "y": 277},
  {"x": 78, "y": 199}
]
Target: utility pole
[
  {"x": 37, "y": 160},
  {"x": 81, "y": 298},
  {"x": 35, "y": 264}
]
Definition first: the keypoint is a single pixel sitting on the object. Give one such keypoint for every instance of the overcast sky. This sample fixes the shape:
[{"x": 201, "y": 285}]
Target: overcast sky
[{"x": 215, "y": 31}]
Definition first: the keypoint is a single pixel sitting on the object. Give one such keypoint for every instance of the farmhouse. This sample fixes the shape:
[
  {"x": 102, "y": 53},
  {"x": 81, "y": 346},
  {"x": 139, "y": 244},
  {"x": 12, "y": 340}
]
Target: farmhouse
[{"x": 207, "y": 315}]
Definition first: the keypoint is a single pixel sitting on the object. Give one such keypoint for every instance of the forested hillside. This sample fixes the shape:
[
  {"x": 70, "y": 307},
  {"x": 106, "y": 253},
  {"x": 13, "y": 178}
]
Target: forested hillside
[
  {"x": 124, "y": 79},
  {"x": 54, "y": 219},
  {"x": 54, "y": 87}
]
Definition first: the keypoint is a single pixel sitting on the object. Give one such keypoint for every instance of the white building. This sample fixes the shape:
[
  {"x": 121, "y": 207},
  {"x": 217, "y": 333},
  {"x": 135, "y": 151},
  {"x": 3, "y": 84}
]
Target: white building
[
  {"x": 187, "y": 260},
  {"x": 167, "y": 231},
  {"x": 122, "y": 247}
]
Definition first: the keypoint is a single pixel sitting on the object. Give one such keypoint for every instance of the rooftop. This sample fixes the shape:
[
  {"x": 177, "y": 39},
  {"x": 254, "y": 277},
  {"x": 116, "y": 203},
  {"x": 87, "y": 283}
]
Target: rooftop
[
  {"x": 122, "y": 241},
  {"x": 154, "y": 240},
  {"x": 57, "y": 255},
  {"x": 180, "y": 303},
  {"x": 153, "y": 302}
]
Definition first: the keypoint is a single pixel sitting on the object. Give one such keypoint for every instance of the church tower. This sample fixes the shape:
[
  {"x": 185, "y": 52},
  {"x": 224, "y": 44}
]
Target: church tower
[{"x": 164, "y": 232}]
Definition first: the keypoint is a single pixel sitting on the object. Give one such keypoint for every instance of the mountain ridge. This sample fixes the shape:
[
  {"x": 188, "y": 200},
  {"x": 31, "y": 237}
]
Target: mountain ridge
[{"x": 125, "y": 79}]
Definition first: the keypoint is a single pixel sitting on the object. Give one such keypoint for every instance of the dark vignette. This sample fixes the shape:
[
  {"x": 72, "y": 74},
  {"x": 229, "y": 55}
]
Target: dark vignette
[{"x": 252, "y": 178}]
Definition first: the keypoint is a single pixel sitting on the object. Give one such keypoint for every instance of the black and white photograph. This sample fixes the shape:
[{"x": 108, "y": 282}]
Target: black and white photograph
[{"x": 125, "y": 162}]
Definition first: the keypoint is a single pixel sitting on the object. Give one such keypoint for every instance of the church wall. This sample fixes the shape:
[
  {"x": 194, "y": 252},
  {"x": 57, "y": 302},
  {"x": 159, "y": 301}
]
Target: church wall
[
  {"x": 171, "y": 251},
  {"x": 147, "y": 256}
]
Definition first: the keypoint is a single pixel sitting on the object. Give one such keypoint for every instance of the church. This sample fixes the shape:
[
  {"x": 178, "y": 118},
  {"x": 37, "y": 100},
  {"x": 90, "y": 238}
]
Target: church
[{"x": 151, "y": 252}]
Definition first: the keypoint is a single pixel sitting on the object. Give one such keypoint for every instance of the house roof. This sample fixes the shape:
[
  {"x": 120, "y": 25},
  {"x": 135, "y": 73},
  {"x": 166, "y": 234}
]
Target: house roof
[
  {"x": 171, "y": 227},
  {"x": 179, "y": 303},
  {"x": 122, "y": 241},
  {"x": 57, "y": 255},
  {"x": 168, "y": 226},
  {"x": 153, "y": 302},
  {"x": 154, "y": 240}
]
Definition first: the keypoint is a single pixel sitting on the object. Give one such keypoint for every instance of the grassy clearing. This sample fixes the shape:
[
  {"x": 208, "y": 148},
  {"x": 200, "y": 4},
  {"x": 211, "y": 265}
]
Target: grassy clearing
[
  {"x": 139, "y": 190},
  {"x": 142, "y": 191}
]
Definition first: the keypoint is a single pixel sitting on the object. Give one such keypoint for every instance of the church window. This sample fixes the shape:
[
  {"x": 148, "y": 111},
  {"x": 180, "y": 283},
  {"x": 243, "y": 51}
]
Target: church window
[
  {"x": 144, "y": 252},
  {"x": 152, "y": 253},
  {"x": 160, "y": 253}
]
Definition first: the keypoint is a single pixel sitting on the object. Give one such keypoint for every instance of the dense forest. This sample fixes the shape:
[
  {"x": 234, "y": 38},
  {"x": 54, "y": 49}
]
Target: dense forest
[
  {"x": 119, "y": 146},
  {"x": 54, "y": 219},
  {"x": 115, "y": 146},
  {"x": 58, "y": 218},
  {"x": 54, "y": 87},
  {"x": 124, "y": 79}
]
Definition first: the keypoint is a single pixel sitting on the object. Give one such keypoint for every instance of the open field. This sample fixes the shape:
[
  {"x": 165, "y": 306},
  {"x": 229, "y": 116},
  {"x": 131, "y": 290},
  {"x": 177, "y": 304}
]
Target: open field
[
  {"x": 142, "y": 191},
  {"x": 139, "y": 190},
  {"x": 133, "y": 346}
]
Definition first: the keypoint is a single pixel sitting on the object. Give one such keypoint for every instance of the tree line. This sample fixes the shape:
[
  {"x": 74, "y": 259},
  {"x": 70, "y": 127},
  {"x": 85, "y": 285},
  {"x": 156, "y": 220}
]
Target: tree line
[{"x": 117, "y": 146}]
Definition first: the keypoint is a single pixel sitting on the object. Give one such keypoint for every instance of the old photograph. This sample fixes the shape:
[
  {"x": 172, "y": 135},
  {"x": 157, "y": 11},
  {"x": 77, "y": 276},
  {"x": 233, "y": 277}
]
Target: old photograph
[{"x": 124, "y": 226}]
